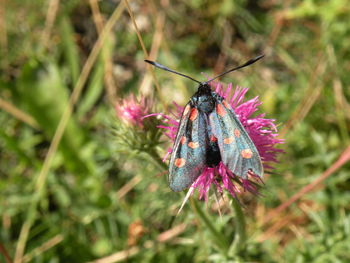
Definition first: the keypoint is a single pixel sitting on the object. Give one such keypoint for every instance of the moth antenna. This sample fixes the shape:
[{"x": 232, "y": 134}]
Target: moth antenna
[
  {"x": 249, "y": 62},
  {"x": 156, "y": 64}
]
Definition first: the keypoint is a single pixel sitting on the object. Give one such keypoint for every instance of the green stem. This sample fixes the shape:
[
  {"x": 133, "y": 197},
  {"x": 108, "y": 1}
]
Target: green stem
[
  {"x": 218, "y": 238},
  {"x": 156, "y": 158},
  {"x": 240, "y": 234}
]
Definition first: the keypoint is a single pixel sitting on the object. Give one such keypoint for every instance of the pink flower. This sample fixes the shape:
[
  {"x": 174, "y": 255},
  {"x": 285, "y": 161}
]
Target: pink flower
[
  {"x": 262, "y": 131},
  {"x": 132, "y": 111}
]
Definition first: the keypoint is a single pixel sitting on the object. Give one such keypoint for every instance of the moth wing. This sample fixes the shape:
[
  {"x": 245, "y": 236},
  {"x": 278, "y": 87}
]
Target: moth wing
[
  {"x": 238, "y": 152},
  {"x": 187, "y": 159}
]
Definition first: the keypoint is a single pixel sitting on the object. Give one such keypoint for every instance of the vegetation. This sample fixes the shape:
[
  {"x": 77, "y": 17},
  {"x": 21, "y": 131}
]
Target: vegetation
[{"x": 78, "y": 184}]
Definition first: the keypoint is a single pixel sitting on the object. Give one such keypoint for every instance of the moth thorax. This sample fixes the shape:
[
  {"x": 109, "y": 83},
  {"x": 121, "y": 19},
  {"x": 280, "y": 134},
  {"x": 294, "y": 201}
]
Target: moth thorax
[{"x": 206, "y": 103}]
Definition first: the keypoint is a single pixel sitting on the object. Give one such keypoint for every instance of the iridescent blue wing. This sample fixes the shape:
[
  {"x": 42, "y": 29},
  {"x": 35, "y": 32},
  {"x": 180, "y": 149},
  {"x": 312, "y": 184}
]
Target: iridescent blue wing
[
  {"x": 187, "y": 159},
  {"x": 237, "y": 150}
]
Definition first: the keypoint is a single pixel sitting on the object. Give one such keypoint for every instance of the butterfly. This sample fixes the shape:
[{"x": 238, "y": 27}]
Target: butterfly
[{"x": 209, "y": 132}]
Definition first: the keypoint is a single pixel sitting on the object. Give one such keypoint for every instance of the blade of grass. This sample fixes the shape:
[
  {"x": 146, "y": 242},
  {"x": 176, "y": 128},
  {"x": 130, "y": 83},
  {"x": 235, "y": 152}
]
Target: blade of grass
[
  {"x": 145, "y": 52},
  {"x": 3, "y": 33},
  {"x": 93, "y": 90},
  {"x": 119, "y": 256},
  {"x": 156, "y": 42},
  {"x": 339, "y": 99},
  {"x": 70, "y": 48},
  {"x": 4, "y": 252},
  {"x": 50, "y": 19},
  {"x": 18, "y": 114},
  {"x": 41, "y": 249},
  {"x": 111, "y": 85}
]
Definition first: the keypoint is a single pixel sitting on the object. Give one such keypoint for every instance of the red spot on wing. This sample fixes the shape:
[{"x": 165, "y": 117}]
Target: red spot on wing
[
  {"x": 193, "y": 114},
  {"x": 193, "y": 145},
  {"x": 183, "y": 140},
  {"x": 247, "y": 153},
  {"x": 220, "y": 110},
  {"x": 180, "y": 162},
  {"x": 237, "y": 133},
  {"x": 213, "y": 138},
  {"x": 228, "y": 140}
]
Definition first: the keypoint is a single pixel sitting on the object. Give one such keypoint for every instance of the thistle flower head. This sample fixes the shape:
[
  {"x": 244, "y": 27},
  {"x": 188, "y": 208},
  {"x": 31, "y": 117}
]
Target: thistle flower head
[
  {"x": 131, "y": 111},
  {"x": 261, "y": 130},
  {"x": 134, "y": 133}
]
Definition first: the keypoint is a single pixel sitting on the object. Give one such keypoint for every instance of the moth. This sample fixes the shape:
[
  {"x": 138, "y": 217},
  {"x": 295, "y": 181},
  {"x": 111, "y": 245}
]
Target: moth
[{"x": 210, "y": 132}]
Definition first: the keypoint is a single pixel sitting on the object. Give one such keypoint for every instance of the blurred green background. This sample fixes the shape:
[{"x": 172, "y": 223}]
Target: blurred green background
[{"x": 96, "y": 199}]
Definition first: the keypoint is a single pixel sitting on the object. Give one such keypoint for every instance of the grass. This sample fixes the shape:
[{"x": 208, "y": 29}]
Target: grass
[{"x": 73, "y": 191}]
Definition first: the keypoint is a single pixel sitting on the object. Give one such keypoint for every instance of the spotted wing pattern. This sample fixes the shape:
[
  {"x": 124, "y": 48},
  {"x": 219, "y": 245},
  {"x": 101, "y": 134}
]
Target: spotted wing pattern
[
  {"x": 237, "y": 150},
  {"x": 187, "y": 160}
]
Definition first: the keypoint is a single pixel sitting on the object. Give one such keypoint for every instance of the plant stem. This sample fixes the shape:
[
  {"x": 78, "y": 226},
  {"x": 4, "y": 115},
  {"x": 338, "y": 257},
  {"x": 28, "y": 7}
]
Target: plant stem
[
  {"x": 156, "y": 158},
  {"x": 218, "y": 238},
  {"x": 240, "y": 234}
]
